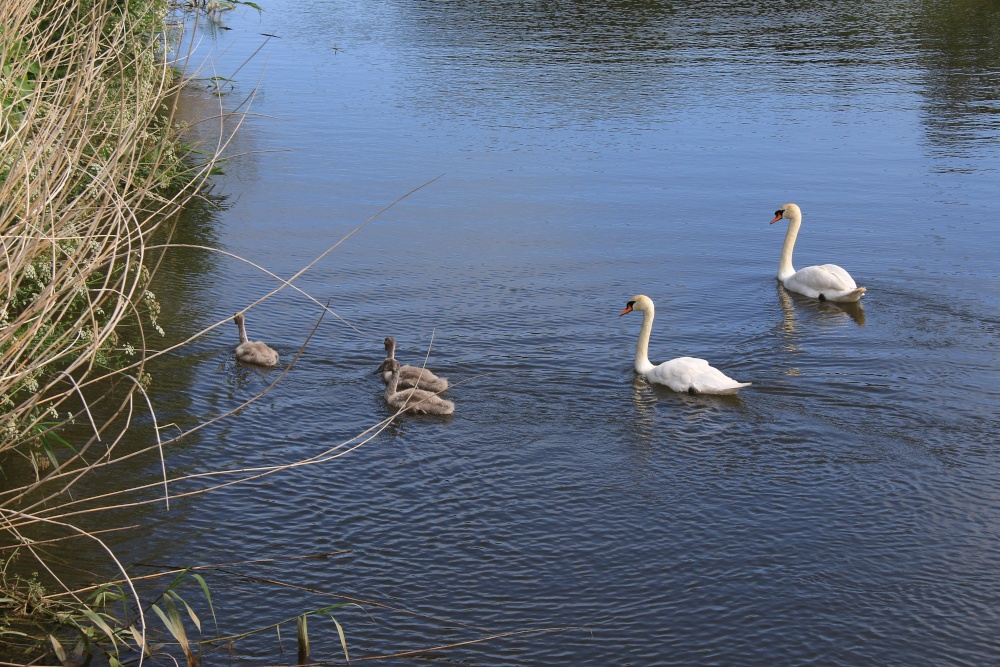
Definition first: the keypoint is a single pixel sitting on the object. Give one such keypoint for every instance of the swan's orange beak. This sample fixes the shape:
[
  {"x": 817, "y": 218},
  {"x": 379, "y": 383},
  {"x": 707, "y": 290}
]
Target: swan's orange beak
[
  {"x": 776, "y": 218},
  {"x": 628, "y": 309}
]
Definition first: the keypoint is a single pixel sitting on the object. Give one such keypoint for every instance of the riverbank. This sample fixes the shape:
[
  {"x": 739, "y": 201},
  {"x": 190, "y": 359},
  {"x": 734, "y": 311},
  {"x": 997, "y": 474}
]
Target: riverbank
[{"x": 92, "y": 163}]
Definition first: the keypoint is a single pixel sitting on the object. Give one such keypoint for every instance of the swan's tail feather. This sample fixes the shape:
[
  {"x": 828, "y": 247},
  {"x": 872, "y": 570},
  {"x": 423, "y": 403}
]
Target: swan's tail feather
[
  {"x": 728, "y": 390},
  {"x": 853, "y": 295}
]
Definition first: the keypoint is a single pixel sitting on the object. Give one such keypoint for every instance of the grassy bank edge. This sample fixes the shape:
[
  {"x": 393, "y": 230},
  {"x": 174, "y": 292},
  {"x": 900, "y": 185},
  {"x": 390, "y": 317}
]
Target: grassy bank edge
[{"x": 91, "y": 164}]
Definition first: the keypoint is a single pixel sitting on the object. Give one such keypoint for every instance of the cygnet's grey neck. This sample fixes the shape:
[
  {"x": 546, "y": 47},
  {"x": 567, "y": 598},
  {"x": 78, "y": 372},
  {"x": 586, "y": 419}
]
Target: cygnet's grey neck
[
  {"x": 393, "y": 384},
  {"x": 243, "y": 331}
]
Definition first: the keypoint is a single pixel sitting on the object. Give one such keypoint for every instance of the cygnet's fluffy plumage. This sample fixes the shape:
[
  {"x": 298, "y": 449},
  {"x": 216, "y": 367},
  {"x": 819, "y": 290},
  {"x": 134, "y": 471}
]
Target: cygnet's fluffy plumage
[
  {"x": 685, "y": 374},
  {"x": 826, "y": 282},
  {"x": 411, "y": 376},
  {"x": 257, "y": 353},
  {"x": 412, "y": 400}
]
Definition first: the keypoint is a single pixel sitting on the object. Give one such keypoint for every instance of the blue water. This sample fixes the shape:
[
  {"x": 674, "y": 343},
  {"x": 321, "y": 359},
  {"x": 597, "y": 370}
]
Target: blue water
[{"x": 841, "y": 511}]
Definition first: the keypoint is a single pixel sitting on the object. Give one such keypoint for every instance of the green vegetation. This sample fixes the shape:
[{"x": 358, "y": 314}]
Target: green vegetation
[{"x": 91, "y": 163}]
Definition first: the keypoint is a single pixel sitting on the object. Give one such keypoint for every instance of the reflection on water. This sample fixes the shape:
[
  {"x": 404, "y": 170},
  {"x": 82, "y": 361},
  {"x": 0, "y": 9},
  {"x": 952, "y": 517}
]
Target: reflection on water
[
  {"x": 961, "y": 56},
  {"x": 591, "y": 151},
  {"x": 824, "y": 313},
  {"x": 644, "y": 400},
  {"x": 635, "y": 59}
]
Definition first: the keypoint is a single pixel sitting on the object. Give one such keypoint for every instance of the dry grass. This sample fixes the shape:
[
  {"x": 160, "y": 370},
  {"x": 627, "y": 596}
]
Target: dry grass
[{"x": 89, "y": 165}]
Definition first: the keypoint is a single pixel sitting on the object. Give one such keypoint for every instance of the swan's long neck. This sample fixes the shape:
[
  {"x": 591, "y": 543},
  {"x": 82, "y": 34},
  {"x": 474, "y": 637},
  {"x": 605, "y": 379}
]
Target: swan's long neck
[
  {"x": 390, "y": 388},
  {"x": 243, "y": 332},
  {"x": 642, "y": 364},
  {"x": 785, "y": 267},
  {"x": 391, "y": 351}
]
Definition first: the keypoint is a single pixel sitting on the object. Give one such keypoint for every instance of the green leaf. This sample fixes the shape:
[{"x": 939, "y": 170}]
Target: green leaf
[
  {"x": 52, "y": 457},
  {"x": 208, "y": 596},
  {"x": 163, "y": 617},
  {"x": 343, "y": 640},
  {"x": 303, "y": 637},
  {"x": 190, "y": 611},
  {"x": 58, "y": 648},
  {"x": 137, "y": 636},
  {"x": 172, "y": 619},
  {"x": 99, "y": 622}
]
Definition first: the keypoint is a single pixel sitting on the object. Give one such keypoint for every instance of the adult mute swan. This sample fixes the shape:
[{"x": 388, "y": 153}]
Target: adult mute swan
[
  {"x": 411, "y": 376},
  {"x": 412, "y": 400},
  {"x": 828, "y": 282},
  {"x": 685, "y": 374},
  {"x": 253, "y": 353}
]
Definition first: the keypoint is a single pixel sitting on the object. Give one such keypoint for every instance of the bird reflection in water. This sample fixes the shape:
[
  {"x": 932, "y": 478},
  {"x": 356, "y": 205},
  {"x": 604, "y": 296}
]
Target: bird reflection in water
[
  {"x": 643, "y": 398},
  {"x": 825, "y": 313}
]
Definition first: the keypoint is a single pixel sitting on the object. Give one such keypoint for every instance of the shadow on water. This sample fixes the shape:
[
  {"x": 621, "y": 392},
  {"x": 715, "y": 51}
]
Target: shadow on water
[{"x": 184, "y": 283}]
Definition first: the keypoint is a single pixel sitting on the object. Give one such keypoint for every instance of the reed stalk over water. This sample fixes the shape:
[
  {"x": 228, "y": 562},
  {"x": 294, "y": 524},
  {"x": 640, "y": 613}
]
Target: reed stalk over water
[{"x": 91, "y": 163}]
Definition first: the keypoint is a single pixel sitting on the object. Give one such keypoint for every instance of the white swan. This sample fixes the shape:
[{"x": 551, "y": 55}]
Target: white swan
[
  {"x": 412, "y": 400},
  {"x": 411, "y": 376},
  {"x": 253, "y": 353},
  {"x": 685, "y": 374},
  {"x": 828, "y": 282}
]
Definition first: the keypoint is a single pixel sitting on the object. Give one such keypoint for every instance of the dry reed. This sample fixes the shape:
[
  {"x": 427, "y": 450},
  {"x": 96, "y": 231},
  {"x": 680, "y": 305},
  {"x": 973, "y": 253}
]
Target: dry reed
[{"x": 90, "y": 165}]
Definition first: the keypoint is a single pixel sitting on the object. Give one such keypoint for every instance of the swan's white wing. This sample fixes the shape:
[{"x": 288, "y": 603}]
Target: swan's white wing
[
  {"x": 842, "y": 274},
  {"x": 815, "y": 280},
  {"x": 686, "y": 374}
]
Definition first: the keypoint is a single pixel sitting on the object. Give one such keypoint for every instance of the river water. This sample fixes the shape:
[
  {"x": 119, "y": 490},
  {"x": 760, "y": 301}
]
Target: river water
[{"x": 844, "y": 510}]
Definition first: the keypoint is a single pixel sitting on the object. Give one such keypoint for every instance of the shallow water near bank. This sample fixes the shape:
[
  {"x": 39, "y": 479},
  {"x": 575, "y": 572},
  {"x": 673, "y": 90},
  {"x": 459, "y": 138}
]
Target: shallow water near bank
[{"x": 842, "y": 510}]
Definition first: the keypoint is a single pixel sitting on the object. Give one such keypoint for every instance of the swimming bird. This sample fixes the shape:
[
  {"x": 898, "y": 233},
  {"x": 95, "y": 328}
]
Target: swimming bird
[
  {"x": 411, "y": 376},
  {"x": 685, "y": 374},
  {"x": 253, "y": 352},
  {"x": 828, "y": 282},
  {"x": 412, "y": 400}
]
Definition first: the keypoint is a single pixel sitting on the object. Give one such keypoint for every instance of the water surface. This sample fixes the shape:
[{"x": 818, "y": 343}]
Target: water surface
[{"x": 841, "y": 511}]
